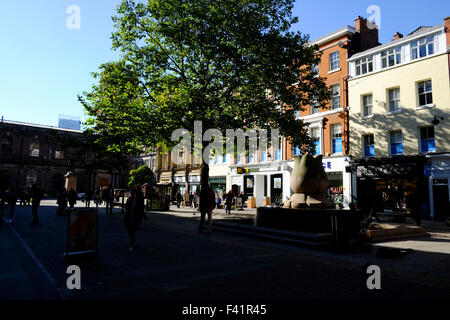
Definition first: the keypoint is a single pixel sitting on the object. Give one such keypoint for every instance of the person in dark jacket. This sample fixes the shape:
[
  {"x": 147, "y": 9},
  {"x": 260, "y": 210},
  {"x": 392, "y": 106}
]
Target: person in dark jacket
[
  {"x": 88, "y": 198},
  {"x": 133, "y": 216},
  {"x": 36, "y": 196},
  {"x": 179, "y": 198},
  {"x": 228, "y": 202},
  {"x": 207, "y": 204},
  {"x": 11, "y": 198},
  {"x": 61, "y": 201},
  {"x": 72, "y": 197}
]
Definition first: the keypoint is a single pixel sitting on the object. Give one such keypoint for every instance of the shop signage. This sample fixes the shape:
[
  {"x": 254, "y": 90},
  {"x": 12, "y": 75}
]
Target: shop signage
[
  {"x": 193, "y": 179},
  {"x": 179, "y": 179}
]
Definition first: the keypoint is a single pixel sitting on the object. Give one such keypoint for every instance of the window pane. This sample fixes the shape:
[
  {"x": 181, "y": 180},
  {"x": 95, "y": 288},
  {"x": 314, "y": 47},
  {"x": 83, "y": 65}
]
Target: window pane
[
  {"x": 414, "y": 53},
  {"x": 422, "y": 100},
  {"x": 264, "y": 156},
  {"x": 423, "y": 51},
  {"x": 391, "y": 61},
  {"x": 337, "y": 145},
  {"x": 431, "y": 145},
  {"x": 430, "y": 48},
  {"x": 364, "y": 68}
]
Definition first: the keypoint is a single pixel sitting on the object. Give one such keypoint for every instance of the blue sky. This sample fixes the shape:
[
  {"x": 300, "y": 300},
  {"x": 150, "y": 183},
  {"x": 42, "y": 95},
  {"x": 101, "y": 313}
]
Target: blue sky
[{"x": 44, "y": 65}]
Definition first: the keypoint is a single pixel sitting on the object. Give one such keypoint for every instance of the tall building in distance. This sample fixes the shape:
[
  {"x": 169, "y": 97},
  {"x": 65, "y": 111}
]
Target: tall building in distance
[{"x": 69, "y": 122}]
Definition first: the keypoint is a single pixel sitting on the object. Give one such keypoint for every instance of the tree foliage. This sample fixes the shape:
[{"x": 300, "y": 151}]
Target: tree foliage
[
  {"x": 141, "y": 175},
  {"x": 228, "y": 63}
]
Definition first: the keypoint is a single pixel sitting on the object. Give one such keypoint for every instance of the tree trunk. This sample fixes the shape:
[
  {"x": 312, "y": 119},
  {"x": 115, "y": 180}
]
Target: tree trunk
[{"x": 205, "y": 168}]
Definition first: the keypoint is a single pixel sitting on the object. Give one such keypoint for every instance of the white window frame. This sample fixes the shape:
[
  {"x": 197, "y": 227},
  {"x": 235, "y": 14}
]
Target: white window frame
[
  {"x": 396, "y": 132},
  {"x": 335, "y": 135},
  {"x": 426, "y": 43},
  {"x": 395, "y": 100},
  {"x": 334, "y": 58},
  {"x": 335, "y": 96},
  {"x": 364, "y": 144},
  {"x": 319, "y": 136},
  {"x": 395, "y": 54},
  {"x": 367, "y": 106},
  {"x": 420, "y": 139},
  {"x": 367, "y": 62},
  {"x": 425, "y": 93}
]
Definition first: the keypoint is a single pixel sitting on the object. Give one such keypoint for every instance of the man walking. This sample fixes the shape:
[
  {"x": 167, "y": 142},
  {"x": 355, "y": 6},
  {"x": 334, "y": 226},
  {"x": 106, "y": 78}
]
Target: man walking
[
  {"x": 36, "y": 196},
  {"x": 109, "y": 199},
  {"x": 207, "y": 204}
]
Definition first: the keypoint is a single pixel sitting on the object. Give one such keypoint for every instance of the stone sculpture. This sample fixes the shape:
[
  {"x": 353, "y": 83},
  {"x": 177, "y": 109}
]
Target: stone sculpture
[{"x": 309, "y": 183}]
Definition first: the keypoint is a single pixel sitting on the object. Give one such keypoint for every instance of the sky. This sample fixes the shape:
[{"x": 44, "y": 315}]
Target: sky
[{"x": 44, "y": 64}]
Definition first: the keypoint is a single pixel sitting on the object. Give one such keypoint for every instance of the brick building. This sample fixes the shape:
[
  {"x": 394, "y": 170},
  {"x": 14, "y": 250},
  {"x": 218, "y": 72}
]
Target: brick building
[
  {"x": 32, "y": 153},
  {"x": 330, "y": 126}
]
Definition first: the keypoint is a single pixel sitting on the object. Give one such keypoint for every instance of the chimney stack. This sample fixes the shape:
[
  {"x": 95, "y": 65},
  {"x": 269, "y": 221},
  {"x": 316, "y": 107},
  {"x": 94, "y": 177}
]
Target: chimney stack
[
  {"x": 367, "y": 33},
  {"x": 447, "y": 29},
  {"x": 397, "y": 36}
]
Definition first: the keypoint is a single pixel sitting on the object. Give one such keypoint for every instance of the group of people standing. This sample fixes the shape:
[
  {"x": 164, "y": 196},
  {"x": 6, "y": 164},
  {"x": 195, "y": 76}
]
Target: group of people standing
[
  {"x": 69, "y": 197},
  {"x": 32, "y": 195}
]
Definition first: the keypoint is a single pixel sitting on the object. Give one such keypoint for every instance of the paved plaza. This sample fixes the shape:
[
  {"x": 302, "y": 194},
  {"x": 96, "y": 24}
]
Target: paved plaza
[{"x": 174, "y": 262}]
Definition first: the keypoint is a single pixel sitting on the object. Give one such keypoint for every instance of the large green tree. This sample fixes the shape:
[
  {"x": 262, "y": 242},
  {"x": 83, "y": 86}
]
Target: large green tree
[{"x": 228, "y": 63}]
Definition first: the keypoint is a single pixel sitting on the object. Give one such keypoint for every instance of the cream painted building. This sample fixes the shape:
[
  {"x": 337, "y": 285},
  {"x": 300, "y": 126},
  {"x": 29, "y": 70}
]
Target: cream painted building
[{"x": 399, "y": 101}]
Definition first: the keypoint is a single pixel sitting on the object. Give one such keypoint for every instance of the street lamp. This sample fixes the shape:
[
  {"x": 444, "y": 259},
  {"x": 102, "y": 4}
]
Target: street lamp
[{"x": 436, "y": 120}]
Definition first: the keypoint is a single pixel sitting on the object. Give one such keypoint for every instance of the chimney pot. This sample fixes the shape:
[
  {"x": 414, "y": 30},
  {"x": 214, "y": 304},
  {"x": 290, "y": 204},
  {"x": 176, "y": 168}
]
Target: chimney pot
[{"x": 397, "y": 36}]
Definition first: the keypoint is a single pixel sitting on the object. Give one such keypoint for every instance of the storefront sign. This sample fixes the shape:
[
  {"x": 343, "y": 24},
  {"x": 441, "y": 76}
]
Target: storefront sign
[
  {"x": 179, "y": 179},
  {"x": 193, "y": 179}
]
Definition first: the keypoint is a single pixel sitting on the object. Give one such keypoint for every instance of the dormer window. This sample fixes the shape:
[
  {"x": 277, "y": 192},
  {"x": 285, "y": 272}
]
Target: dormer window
[
  {"x": 422, "y": 48},
  {"x": 390, "y": 58},
  {"x": 364, "y": 65}
]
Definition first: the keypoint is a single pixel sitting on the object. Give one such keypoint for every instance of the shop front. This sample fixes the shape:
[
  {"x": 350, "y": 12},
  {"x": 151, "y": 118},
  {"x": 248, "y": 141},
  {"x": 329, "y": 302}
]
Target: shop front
[
  {"x": 262, "y": 181},
  {"x": 218, "y": 184},
  {"x": 180, "y": 184},
  {"x": 339, "y": 180},
  {"x": 392, "y": 182},
  {"x": 194, "y": 183}
]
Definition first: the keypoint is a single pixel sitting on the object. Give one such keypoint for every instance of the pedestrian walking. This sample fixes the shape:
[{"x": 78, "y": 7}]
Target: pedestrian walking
[
  {"x": 97, "y": 197},
  {"x": 61, "y": 201},
  {"x": 207, "y": 204},
  {"x": 72, "y": 197},
  {"x": 191, "y": 200},
  {"x": 109, "y": 199},
  {"x": 178, "y": 198},
  {"x": 11, "y": 198},
  {"x": 134, "y": 213},
  {"x": 36, "y": 196},
  {"x": 88, "y": 198},
  {"x": 228, "y": 202},
  {"x": 195, "y": 199}
]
